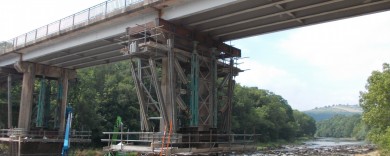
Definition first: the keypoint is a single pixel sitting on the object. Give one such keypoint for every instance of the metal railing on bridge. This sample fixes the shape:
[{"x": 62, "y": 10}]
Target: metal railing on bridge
[
  {"x": 42, "y": 135},
  {"x": 78, "y": 20}
]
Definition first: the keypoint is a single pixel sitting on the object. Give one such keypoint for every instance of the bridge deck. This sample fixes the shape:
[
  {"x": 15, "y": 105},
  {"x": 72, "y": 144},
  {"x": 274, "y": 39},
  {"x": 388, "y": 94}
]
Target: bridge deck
[{"x": 93, "y": 36}]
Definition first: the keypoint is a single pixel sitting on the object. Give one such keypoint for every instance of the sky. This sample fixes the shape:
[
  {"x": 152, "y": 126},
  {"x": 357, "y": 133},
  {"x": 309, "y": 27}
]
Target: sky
[{"x": 310, "y": 67}]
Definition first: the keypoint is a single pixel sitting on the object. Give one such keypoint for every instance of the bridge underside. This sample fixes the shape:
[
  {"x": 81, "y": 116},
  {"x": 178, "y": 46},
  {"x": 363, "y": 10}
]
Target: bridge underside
[
  {"x": 99, "y": 42},
  {"x": 249, "y": 18}
]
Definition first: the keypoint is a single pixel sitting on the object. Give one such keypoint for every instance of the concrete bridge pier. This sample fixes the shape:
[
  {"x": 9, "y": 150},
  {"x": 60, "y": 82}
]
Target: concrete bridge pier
[
  {"x": 26, "y": 98},
  {"x": 28, "y": 139},
  {"x": 30, "y": 71}
]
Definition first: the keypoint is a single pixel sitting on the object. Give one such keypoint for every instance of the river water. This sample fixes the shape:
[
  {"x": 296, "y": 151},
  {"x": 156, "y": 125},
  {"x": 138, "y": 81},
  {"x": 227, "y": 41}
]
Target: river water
[
  {"x": 321, "y": 147},
  {"x": 331, "y": 142}
]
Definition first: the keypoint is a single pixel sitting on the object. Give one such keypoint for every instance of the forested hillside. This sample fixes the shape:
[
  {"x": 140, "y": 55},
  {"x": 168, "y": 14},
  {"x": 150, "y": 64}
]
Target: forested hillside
[
  {"x": 341, "y": 126},
  {"x": 327, "y": 112},
  {"x": 102, "y": 93},
  {"x": 268, "y": 114}
]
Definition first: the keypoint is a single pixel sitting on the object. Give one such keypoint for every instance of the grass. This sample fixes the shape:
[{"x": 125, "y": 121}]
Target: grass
[
  {"x": 88, "y": 152},
  {"x": 3, "y": 149}
]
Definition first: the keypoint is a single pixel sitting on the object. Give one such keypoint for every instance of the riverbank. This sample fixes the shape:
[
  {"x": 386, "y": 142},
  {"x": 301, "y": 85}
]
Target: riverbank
[{"x": 325, "y": 150}]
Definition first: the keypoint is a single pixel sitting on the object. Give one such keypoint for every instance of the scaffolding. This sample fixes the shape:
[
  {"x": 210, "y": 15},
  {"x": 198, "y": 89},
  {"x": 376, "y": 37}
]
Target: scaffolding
[{"x": 182, "y": 84}]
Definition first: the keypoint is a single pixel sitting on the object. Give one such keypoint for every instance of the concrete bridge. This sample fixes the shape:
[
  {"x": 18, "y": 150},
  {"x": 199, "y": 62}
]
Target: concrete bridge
[
  {"x": 117, "y": 30},
  {"x": 92, "y": 36}
]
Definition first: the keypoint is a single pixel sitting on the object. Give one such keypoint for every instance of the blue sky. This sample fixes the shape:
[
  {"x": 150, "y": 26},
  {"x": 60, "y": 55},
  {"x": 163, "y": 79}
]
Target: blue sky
[{"x": 310, "y": 67}]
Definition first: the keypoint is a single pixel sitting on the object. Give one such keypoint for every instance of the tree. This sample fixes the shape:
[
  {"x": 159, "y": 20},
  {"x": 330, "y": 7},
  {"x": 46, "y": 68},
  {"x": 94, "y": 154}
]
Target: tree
[
  {"x": 101, "y": 94},
  {"x": 375, "y": 102},
  {"x": 268, "y": 114},
  {"x": 306, "y": 124},
  {"x": 341, "y": 126}
]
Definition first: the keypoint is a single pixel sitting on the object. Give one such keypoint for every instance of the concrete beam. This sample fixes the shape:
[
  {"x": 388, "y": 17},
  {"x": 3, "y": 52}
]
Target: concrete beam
[
  {"x": 189, "y": 8},
  {"x": 45, "y": 70},
  {"x": 9, "y": 71},
  {"x": 185, "y": 33},
  {"x": 207, "y": 40}
]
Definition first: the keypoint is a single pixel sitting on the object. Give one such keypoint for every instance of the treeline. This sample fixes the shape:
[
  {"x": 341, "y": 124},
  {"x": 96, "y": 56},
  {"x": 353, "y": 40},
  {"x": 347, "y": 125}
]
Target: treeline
[
  {"x": 268, "y": 114},
  {"x": 102, "y": 93},
  {"x": 341, "y": 126},
  {"x": 375, "y": 102}
]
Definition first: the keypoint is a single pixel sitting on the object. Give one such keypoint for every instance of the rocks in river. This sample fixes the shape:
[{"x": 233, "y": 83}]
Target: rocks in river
[{"x": 342, "y": 150}]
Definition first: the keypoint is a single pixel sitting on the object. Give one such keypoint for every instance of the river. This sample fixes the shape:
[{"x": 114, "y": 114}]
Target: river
[
  {"x": 322, "y": 147},
  {"x": 331, "y": 142}
]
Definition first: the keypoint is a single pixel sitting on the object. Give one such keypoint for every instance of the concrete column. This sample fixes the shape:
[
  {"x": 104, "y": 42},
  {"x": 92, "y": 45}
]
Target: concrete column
[
  {"x": 64, "y": 81},
  {"x": 9, "y": 102},
  {"x": 27, "y": 95},
  {"x": 172, "y": 85},
  {"x": 165, "y": 93},
  {"x": 168, "y": 87},
  {"x": 29, "y": 71}
]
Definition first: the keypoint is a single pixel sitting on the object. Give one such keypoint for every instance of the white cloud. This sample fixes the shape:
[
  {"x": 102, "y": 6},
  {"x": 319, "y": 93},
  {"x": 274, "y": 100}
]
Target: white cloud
[
  {"x": 274, "y": 79},
  {"x": 257, "y": 74},
  {"x": 345, "y": 48},
  {"x": 343, "y": 52},
  {"x": 20, "y": 16},
  {"x": 334, "y": 59}
]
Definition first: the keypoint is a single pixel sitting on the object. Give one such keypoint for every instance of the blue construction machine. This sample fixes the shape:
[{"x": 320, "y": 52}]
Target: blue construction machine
[{"x": 68, "y": 118}]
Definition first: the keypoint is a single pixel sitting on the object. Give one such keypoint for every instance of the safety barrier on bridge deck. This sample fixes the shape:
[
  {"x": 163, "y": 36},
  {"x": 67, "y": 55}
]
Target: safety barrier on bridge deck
[
  {"x": 12, "y": 135},
  {"x": 76, "y": 21}
]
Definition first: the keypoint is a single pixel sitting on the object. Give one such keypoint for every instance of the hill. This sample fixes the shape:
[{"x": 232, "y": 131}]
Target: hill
[{"x": 328, "y": 112}]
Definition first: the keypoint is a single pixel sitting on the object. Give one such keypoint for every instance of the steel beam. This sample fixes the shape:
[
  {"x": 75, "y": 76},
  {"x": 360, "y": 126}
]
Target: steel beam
[
  {"x": 194, "y": 87},
  {"x": 163, "y": 111},
  {"x": 214, "y": 87},
  {"x": 141, "y": 98}
]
